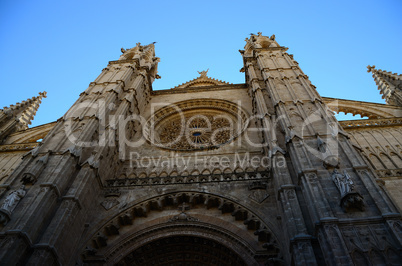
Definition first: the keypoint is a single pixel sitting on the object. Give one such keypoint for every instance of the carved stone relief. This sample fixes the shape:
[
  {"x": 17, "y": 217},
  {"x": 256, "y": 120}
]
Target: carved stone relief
[
  {"x": 349, "y": 198},
  {"x": 195, "y": 125},
  {"x": 10, "y": 203}
]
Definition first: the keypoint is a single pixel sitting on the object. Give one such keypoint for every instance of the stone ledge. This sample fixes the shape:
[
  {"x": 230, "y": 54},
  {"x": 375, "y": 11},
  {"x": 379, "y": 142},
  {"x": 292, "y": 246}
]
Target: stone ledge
[
  {"x": 199, "y": 89},
  {"x": 365, "y": 123},
  {"x": 171, "y": 180},
  {"x": 19, "y": 147}
]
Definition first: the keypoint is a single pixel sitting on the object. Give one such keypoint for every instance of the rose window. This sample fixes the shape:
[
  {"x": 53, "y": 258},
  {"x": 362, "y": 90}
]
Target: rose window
[{"x": 195, "y": 127}]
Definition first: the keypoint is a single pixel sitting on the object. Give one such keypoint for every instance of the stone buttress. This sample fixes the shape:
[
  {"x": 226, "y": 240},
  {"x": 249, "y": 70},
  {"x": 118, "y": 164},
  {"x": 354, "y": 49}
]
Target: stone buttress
[
  {"x": 333, "y": 207},
  {"x": 61, "y": 176}
]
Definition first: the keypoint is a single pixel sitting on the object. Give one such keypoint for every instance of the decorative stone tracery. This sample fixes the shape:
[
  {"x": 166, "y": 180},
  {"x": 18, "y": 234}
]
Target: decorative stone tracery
[
  {"x": 196, "y": 125},
  {"x": 198, "y": 131},
  {"x": 185, "y": 178}
]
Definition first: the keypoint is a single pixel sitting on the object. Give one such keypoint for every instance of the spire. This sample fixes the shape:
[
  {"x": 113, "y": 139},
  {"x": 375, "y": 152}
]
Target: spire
[
  {"x": 389, "y": 84},
  {"x": 19, "y": 116}
]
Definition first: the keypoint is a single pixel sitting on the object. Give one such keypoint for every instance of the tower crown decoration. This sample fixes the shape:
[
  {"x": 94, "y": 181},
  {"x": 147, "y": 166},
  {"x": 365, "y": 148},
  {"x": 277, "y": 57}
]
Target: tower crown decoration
[
  {"x": 259, "y": 42},
  {"x": 144, "y": 56},
  {"x": 140, "y": 52}
]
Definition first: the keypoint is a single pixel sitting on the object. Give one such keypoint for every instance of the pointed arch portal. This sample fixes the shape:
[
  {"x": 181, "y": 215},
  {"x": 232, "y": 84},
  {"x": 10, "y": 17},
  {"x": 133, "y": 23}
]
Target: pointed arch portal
[{"x": 184, "y": 228}]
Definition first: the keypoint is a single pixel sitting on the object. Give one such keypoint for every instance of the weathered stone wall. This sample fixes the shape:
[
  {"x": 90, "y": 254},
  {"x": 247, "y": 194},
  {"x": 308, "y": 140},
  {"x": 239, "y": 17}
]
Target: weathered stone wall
[
  {"x": 9, "y": 161},
  {"x": 17, "y": 145},
  {"x": 382, "y": 148}
]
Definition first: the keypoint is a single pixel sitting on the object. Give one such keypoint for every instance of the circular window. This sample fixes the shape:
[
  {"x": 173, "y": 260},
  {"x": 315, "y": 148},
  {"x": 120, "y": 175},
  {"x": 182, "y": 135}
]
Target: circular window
[{"x": 195, "y": 125}]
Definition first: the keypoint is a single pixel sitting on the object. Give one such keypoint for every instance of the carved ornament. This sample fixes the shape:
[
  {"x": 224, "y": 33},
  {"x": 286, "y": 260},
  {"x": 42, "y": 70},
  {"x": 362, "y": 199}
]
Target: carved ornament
[{"x": 195, "y": 125}]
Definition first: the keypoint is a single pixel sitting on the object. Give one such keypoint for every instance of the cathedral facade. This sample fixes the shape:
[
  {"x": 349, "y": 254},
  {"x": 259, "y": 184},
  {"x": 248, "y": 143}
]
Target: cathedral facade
[{"x": 205, "y": 173}]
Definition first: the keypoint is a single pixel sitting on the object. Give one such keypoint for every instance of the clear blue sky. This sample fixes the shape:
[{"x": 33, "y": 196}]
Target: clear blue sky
[{"x": 61, "y": 46}]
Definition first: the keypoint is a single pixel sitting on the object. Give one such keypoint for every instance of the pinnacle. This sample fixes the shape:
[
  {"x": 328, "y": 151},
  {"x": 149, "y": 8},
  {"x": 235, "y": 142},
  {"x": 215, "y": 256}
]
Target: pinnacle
[
  {"x": 384, "y": 72},
  {"x": 389, "y": 85},
  {"x": 370, "y": 68},
  {"x": 26, "y": 102},
  {"x": 25, "y": 111}
]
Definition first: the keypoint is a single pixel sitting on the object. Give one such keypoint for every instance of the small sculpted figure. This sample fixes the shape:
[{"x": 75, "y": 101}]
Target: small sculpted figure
[
  {"x": 13, "y": 198},
  {"x": 343, "y": 182}
]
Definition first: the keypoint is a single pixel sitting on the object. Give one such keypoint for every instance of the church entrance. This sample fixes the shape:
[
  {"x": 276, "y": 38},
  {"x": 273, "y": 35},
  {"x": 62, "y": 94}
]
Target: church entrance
[
  {"x": 186, "y": 228},
  {"x": 182, "y": 250}
]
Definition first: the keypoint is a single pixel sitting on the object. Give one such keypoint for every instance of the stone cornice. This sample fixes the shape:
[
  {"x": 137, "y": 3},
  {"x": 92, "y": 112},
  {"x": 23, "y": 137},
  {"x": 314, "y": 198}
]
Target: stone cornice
[
  {"x": 280, "y": 48},
  {"x": 18, "y": 147},
  {"x": 268, "y": 49},
  {"x": 171, "y": 180},
  {"x": 329, "y": 99},
  {"x": 369, "y": 109},
  {"x": 123, "y": 61},
  {"x": 390, "y": 174},
  {"x": 199, "y": 89},
  {"x": 202, "y": 80},
  {"x": 368, "y": 123}
]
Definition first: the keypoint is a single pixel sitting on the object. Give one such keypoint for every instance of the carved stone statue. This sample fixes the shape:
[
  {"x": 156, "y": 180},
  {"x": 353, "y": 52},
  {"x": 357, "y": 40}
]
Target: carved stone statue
[
  {"x": 131, "y": 53},
  {"x": 322, "y": 145},
  {"x": 343, "y": 182},
  {"x": 349, "y": 199},
  {"x": 203, "y": 73},
  {"x": 13, "y": 198}
]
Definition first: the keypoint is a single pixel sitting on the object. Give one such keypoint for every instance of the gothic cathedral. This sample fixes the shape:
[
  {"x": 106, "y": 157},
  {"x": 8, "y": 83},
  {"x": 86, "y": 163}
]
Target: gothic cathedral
[{"x": 205, "y": 173}]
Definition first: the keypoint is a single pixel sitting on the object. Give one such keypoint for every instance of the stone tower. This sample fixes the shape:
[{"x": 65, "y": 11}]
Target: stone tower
[{"x": 206, "y": 173}]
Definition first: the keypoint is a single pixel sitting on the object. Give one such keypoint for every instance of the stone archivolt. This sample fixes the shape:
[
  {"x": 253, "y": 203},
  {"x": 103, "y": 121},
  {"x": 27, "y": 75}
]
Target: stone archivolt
[{"x": 125, "y": 228}]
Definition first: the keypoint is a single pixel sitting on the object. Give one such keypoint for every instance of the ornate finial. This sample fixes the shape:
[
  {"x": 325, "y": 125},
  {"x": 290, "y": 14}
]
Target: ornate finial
[
  {"x": 370, "y": 68},
  {"x": 203, "y": 73},
  {"x": 259, "y": 33},
  {"x": 272, "y": 37}
]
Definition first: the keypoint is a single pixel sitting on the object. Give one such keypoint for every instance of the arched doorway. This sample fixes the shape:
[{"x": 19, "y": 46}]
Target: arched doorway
[
  {"x": 160, "y": 229},
  {"x": 182, "y": 250}
]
